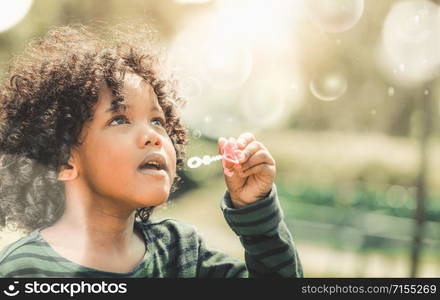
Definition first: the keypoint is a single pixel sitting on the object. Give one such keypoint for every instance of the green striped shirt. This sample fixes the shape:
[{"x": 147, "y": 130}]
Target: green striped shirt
[{"x": 176, "y": 250}]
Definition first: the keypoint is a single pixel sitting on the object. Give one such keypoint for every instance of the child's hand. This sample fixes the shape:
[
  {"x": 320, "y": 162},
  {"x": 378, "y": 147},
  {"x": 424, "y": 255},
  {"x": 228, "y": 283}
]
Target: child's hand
[{"x": 253, "y": 177}]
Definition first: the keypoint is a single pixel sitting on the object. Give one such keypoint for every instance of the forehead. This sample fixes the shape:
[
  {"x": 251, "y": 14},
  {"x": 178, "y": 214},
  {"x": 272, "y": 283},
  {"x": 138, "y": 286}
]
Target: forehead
[
  {"x": 136, "y": 87},
  {"x": 137, "y": 93}
]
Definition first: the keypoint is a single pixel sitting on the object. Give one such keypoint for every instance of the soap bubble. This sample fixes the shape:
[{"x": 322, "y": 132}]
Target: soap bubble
[
  {"x": 12, "y": 12},
  {"x": 225, "y": 123},
  {"x": 335, "y": 15},
  {"x": 271, "y": 99},
  {"x": 226, "y": 65},
  {"x": 197, "y": 133},
  {"x": 417, "y": 18},
  {"x": 411, "y": 40},
  {"x": 329, "y": 86},
  {"x": 264, "y": 104},
  {"x": 189, "y": 87}
]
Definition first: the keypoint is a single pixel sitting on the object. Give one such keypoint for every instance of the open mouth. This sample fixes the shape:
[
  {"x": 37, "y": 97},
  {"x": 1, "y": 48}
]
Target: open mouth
[{"x": 153, "y": 164}]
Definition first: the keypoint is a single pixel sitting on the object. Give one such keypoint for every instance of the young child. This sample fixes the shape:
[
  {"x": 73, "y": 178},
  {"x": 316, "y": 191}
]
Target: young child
[{"x": 91, "y": 140}]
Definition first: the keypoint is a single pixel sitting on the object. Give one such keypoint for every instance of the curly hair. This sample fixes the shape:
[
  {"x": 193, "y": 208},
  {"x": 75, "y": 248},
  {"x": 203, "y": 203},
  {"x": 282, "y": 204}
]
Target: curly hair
[{"x": 48, "y": 98}]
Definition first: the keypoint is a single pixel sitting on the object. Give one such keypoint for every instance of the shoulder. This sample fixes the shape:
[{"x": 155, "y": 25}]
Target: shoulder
[
  {"x": 170, "y": 230},
  {"x": 26, "y": 243},
  {"x": 171, "y": 238},
  {"x": 175, "y": 247},
  {"x": 20, "y": 252}
]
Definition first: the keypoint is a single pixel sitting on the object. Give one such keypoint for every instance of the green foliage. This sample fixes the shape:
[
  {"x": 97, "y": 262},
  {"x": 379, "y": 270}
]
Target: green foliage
[{"x": 395, "y": 201}]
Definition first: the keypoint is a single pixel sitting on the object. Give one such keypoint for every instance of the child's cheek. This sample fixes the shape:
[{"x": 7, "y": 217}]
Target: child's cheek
[{"x": 172, "y": 154}]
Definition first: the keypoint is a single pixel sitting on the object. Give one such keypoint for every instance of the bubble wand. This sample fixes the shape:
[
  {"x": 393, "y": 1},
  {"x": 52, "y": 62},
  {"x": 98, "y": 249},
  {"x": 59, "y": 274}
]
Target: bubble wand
[{"x": 229, "y": 152}]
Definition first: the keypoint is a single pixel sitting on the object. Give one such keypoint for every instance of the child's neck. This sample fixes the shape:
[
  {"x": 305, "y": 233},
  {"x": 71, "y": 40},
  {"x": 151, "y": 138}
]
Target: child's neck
[
  {"x": 96, "y": 247},
  {"x": 96, "y": 232},
  {"x": 95, "y": 221}
]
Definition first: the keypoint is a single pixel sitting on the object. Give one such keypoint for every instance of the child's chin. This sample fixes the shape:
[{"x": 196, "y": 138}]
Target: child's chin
[{"x": 156, "y": 198}]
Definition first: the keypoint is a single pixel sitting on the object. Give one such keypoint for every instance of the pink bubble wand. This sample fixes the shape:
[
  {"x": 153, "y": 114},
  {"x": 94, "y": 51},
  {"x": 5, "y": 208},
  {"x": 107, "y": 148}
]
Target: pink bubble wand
[{"x": 229, "y": 153}]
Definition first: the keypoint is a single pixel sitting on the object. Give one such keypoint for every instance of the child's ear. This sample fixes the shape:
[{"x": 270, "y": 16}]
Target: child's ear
[{"x": 68, "y": 172}]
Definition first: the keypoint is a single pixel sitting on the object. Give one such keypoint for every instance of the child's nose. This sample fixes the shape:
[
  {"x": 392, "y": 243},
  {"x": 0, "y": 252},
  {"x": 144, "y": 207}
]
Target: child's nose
[{"x": 149, "y": 137}]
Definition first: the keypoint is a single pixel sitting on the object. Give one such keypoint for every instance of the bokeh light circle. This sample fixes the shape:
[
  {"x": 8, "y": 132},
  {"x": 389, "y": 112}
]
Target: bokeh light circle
[
  {"x": 189, "y": 87},
  {"x": 335, "y": 15},
  {"x": 411, "y": 41},
  {"x": 225, "y": 48},
  {"x": 263, "y": 104},
  {"x": 196, "y": 133},
  {"x": 225, "y": 65},
  {"x": 328, "y": 86},
  {"x": 12, "y": 12}
]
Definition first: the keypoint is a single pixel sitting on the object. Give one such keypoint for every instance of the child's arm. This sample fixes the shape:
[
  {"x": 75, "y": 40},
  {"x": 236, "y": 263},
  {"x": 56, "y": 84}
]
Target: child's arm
[
  {"x": 269, "y": 248},
  {"x": 252, "y": 210}
]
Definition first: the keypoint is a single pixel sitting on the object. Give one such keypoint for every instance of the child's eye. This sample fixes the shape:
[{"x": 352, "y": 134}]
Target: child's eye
[
  {"x": 113, "y": 121},
  {"x": 159, "y": 121}
]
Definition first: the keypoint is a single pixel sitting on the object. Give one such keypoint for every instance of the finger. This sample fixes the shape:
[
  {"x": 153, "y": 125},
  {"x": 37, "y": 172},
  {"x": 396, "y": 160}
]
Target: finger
[
  {"x": 220, "y": 142},
  {"x": 258, "y": 169},
  {"x": 260, "y": 157},
  {"x": 244, "y": 140},
  {"x": 250, "y": 150},
  {"x": 226, "y": 163}
]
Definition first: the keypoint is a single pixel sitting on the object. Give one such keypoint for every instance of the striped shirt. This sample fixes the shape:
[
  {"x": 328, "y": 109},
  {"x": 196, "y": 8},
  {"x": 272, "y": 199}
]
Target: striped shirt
[{"x": 176, "y": 250}]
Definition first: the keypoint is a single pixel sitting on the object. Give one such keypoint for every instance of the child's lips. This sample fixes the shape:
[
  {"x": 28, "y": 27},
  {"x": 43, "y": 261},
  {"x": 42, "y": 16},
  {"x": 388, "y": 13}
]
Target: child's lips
[
  {"x": 154, "y": 163},
  {"x": 155, "y": 158},
  {"x": 153, "y": 172}
]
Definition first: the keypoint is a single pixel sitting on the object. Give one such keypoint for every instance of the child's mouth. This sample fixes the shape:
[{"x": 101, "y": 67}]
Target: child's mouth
[
  {"x": 153, "y": 164},
  {"x": 152, "y": 169}
]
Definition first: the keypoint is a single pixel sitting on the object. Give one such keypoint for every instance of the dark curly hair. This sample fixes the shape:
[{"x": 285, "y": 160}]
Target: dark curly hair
[{"x": 48, "y": 98}]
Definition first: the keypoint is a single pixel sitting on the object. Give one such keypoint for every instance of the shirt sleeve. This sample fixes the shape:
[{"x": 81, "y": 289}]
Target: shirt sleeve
[
  {"x": 269, "y": 247},
  {"x": 268, "y": 244}
]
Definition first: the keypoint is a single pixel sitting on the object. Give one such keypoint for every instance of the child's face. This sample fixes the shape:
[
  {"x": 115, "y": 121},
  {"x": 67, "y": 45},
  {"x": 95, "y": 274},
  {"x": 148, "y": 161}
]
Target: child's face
[{"x": 116, "y": 144}]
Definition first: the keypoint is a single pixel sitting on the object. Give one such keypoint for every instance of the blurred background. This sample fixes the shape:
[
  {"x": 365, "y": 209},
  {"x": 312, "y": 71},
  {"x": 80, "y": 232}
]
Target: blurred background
[{"x": 344, "y": 93}]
